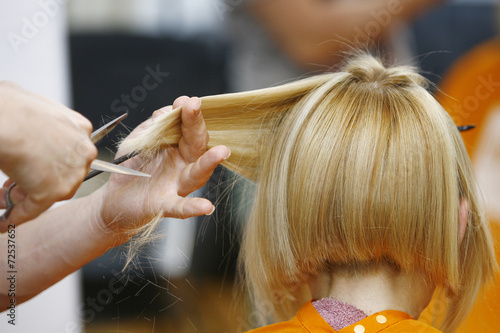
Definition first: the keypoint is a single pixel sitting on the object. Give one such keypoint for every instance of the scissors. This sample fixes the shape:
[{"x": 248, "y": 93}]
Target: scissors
[{"x": 97, "y": 166}]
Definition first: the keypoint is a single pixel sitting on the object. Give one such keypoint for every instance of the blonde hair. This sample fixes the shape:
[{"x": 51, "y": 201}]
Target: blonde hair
[{"x": 354, "y": 167}]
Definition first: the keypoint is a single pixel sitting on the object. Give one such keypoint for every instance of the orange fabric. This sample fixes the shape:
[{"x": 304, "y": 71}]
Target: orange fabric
[
  {"x": 470, "y": 92},
  {"x": 471, "y": 89},
  {"x": 485, "y": 315},
  {"x": 309, "y": 320}
]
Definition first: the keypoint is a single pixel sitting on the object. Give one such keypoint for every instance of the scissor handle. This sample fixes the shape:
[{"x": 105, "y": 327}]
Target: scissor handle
[{"x": 10, "y": 204}]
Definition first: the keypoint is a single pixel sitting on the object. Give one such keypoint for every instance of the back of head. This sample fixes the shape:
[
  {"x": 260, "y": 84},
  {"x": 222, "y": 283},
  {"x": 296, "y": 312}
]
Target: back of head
[{"x": 365, "y": 168}]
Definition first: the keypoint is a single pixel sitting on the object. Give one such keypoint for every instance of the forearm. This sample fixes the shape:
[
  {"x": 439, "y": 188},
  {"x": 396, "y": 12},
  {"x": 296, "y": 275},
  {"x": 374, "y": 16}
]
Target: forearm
[
  {"x": 51, "y": 247},
  {"x": 313, "y": 31}
]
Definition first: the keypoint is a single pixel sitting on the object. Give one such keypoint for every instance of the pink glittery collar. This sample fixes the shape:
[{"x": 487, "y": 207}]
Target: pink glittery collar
[{"x": 338, "y": 314}]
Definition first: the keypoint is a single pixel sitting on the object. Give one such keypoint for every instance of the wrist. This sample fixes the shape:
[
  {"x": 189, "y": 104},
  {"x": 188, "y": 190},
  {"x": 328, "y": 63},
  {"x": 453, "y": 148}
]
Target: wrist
[{"x": 107, "y": 226}]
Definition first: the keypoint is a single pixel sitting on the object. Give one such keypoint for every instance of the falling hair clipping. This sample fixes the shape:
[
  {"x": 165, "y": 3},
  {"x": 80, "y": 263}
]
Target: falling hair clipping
[{"x": 465, "y": 128}]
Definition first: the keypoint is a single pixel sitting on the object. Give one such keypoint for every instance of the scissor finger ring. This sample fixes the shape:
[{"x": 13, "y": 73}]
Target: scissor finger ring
[{"x": 10, "y": 204}]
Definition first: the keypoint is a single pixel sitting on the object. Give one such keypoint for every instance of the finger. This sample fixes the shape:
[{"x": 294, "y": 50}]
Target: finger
[
  {"x": 86, "y": 150},
  {"x": 16, "y": 195},
  {"x": 197, "y": 174},
  {"x": 162, "y": 111},
  {"x": 80, "y": 121},
  {"x": 180, "y": 101},
  {"x": 8, "y": 182},
  {"x": 194, "y": 138},
  {"x": 188, "y": 207},
  {"x": 3, "y": 202},
  {"x": 27, "y": 210},
  {"x": 134, "y": 134},
  {"x": 145, "y": 124}
]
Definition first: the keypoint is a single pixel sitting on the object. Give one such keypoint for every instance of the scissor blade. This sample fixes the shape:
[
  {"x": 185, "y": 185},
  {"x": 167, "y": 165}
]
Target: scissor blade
[
  {"x": 109, "y": 167},
  {"x": 101, "y": 132}
]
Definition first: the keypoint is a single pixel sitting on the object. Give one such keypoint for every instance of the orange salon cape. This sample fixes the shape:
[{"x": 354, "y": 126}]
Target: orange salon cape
[{"x": 308, "y": 320}]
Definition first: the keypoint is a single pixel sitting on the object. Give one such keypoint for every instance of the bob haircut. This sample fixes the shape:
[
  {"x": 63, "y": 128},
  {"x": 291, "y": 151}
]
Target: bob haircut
[{"x": 358, "y": 167}]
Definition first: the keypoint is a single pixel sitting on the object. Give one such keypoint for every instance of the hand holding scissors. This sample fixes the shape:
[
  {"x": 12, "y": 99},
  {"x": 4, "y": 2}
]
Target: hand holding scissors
[{"x": 97, "y": 165}]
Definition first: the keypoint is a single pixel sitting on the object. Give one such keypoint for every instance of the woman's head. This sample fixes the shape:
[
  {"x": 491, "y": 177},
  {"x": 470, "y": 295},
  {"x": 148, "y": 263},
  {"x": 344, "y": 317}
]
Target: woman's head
[
  {"x": 365, "y": 168},
  {"x": 352, "y": 168}
]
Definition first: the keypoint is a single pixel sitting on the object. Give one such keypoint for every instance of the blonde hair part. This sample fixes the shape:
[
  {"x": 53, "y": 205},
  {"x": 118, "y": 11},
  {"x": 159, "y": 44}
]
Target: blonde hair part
[{"x": 355, "y": 167}]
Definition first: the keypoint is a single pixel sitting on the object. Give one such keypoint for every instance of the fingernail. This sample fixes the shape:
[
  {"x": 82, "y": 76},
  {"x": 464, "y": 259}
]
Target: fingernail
[
  {"x": 197, "y": 111},
  {"x": 228, "y": 155},
  {"x": 213, "y": 210}
]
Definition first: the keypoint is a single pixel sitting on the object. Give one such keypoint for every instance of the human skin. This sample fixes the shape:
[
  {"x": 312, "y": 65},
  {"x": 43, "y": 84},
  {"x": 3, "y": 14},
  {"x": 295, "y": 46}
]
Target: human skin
[
  {"x": 63, "y": 239},
  {"x": 313, "y": 32},
  {"x": 45, "y": 148}
]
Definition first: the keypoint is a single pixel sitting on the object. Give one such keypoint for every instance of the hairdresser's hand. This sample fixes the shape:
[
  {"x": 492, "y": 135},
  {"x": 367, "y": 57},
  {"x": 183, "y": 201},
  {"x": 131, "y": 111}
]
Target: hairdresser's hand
[
  {"x": 130, "y": 202},
  {"x": 44, "y": 147}
]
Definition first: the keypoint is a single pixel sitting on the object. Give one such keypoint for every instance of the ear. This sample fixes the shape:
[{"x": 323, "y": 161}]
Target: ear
[{"x": 463, "y": 219}]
